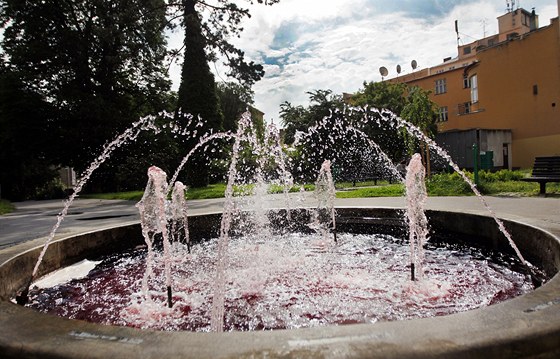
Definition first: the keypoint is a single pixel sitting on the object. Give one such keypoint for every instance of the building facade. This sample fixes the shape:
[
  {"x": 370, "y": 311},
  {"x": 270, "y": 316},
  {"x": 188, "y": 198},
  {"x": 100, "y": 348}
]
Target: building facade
[{"x": 505, "y": 88}]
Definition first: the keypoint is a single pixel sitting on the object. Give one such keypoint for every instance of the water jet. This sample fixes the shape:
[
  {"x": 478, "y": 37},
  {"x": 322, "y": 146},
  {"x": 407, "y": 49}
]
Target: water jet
[{"x": 525, "y": 326}]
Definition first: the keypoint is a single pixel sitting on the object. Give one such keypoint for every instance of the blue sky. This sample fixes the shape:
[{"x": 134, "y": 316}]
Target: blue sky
[{"x": 307, "y": 45}]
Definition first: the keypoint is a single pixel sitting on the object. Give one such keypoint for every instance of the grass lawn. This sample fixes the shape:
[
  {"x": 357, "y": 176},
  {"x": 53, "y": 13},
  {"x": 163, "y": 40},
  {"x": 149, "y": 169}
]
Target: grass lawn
[
  {"x": 212, "y": 191},
  {"x": 6, "y": 206},
  {"x": 497, "y": 184},
  {"x": 390, "y": 190}
]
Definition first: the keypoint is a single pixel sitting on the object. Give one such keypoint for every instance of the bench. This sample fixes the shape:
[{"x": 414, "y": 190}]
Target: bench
[{"x": 545, "y": 169}]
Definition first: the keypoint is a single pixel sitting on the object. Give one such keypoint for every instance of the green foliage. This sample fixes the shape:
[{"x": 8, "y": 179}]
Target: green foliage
[
  {"x": 347, "y": 185},
  {"x": 299, "y": 118},
  {"x": 500, "y": 176},
  {"x": 26, "y": 148},
  {"x": 410, "y": 103},
  {"x": 53, "y": 189},
  {"x": 503, "y": 182},
  {"x": 197, "y": 93},
  {"x": 421, "y": 112},
  {"x": 98, "y": 63},
  {"x": 383, "y": 94},
  {"x": 221, "y": 23},
  {"x": 6, "y": 206},
  {"x": 326, "y": 135},
  {"x": 234, "y": 100},
  {"x": 445, "y": 184},
  {"x": 517, "y": 188},
  {"x": 293, "y": 119}
]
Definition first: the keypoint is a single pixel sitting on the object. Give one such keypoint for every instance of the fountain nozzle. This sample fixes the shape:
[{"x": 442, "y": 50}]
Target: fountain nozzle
[
  {"x": 23, "y": 296},
  {"x": 169, "y": 297}
]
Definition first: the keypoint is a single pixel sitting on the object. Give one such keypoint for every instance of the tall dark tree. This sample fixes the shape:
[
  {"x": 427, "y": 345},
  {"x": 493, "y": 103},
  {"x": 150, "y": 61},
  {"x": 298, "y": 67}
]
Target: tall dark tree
[
  {"x": 197, "y": 93},
  {"x": 209, "y": 25},
  {"x": 98, "y": 63}
]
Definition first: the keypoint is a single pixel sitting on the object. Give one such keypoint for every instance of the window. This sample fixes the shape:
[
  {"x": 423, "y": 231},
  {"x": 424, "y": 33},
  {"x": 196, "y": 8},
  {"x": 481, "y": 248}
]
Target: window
[
  {"x": 441, "y": 86},
  {"x": 443, "y": 114},
  {"x": 474, "y": 88},
  {"x": 464, "y": 108},
  {"x": 466, "y": 50},
  {"x": 466, "y": 83}
]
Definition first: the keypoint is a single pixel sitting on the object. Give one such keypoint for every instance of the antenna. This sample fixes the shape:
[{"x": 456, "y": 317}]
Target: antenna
[
  {"x": 484, "y": 23},
  {"x": 457, "y": 31},
  {"x": 383, "y": 71},
  {"x": 414, "y": 64}
]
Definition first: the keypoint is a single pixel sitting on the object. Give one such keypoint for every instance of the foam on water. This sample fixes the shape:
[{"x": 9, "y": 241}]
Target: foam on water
[{"x": 288, "y": 281}]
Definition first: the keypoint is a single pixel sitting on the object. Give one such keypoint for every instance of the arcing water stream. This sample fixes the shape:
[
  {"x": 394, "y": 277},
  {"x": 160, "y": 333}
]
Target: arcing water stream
[{"x": 157, "y": 216}]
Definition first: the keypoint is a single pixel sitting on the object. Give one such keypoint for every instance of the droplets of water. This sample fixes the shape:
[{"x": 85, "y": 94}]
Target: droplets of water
[
  {"x": 416, "y": 197},
  {"x": 287, "y": 283}
]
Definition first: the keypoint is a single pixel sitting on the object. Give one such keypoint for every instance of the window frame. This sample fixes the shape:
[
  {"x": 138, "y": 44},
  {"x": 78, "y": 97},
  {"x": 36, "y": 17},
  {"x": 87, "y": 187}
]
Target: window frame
[
  {"x": 443, "y": 114},
  {"x": 440, "y": 86},
  {"x": 473, "y": 82}
]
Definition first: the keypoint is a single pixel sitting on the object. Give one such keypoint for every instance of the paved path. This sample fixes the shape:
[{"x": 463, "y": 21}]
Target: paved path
[{"x": 29, "y": 225}]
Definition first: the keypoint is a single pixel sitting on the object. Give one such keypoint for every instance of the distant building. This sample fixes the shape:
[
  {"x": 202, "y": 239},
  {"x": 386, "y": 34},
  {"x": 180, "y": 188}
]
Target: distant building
[{"x": 501, "y": 92}]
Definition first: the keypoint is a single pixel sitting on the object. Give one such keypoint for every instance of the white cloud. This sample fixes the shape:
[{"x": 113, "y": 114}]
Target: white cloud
[{"x": 311, "y": 45}]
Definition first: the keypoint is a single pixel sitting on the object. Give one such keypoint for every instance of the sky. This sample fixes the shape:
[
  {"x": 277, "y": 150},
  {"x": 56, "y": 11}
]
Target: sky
[{"x": 307, "y": 45}]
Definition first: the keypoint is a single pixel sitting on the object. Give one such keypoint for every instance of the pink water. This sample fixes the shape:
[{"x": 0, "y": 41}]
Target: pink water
[{"x": 290, "y": 281}]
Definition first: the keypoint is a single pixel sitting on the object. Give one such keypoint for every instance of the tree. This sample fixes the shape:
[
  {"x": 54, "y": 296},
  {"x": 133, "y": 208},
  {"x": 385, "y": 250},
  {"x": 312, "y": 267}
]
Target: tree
[
  {"x": 412, "y": 104},
  {"x": 390, "y": 96},
  {"x": 209, "y": 25},
  {"x": 220, "y": 21},
  {"x": 294, "y": 119},
  {"x": 98, "y": 63},
  {"x": 421, "y": 112},
  {"x": 25, "y": 150},
  {"x": 234, "y": 100},
  {"x": 326, "y": 133},
  {"x": 197, "y": 92},
  {"x": 383, "y": 94}
]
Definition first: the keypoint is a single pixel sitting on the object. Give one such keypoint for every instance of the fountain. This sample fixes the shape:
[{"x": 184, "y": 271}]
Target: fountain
[{"x": 524, "y": 326}]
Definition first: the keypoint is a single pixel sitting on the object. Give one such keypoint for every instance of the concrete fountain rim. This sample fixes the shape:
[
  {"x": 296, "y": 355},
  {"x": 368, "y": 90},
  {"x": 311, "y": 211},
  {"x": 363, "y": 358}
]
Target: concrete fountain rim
[{"x": 524, "y": 326}]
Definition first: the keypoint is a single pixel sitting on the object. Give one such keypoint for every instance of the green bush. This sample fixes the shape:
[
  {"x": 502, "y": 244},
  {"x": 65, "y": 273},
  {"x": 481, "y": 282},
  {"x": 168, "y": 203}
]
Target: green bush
[
  {"x": 500, "y": 176},
  {"x": 6, "y": 206},
  {"x": 53, "y": 189},
  {"x": 445, "y": 184}
]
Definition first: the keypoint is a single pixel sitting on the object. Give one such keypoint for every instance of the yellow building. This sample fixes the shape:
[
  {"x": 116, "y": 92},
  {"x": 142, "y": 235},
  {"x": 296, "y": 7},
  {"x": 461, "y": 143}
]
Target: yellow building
[{"x": 501, "y": 92}]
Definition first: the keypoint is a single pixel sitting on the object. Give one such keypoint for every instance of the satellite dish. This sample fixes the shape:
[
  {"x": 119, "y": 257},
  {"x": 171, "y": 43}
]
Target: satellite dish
[
  {"x": 414, "y": 64},
  {"x": 398, "y": 69},
  {"x": 383, "y": 71}
]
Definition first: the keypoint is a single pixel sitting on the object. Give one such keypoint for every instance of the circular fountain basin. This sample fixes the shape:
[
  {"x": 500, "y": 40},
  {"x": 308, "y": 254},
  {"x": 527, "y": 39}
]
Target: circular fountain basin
[{"x": 526, "y": 326}]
